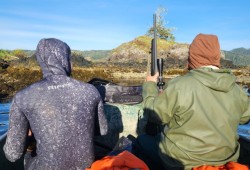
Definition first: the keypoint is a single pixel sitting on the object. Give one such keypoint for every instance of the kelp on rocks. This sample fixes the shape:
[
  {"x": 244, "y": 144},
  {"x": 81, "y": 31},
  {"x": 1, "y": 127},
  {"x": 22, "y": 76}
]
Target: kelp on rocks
[{"x": 17, "y": 77}]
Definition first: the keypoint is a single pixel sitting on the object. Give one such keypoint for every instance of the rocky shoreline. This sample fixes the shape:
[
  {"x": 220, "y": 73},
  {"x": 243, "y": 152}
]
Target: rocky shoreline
[
  {"x": 14, "y": 78},
  {"x": 127, "y": 64}
]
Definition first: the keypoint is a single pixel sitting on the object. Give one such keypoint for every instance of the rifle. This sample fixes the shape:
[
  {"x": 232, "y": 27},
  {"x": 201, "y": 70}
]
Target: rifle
[{"x": 156, "y": 64}]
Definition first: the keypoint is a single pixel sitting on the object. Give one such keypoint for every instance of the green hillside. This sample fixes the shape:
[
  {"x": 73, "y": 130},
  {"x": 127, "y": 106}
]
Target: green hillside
[
  {"x": 94, "y": 54},
  {"x": 239, "y": 56},
  {"x": 7, "y": 55},
  {"x": 241, "y": 51}
]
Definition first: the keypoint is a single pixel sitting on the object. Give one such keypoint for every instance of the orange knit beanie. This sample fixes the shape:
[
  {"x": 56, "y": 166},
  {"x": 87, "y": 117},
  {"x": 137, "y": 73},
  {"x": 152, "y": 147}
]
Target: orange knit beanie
[{"x": 204, "y": 50}]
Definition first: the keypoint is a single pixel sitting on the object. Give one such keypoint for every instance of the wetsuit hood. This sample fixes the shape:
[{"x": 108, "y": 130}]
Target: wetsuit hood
[{"x": 53, "y": 56}]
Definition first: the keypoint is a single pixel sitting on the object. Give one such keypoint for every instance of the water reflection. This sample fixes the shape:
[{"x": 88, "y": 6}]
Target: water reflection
[{"x": 4, "y": 118}]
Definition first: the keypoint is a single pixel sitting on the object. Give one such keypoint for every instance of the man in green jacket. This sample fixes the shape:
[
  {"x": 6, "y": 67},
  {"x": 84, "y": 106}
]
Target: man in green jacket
[{"x": 200, "y": 111}]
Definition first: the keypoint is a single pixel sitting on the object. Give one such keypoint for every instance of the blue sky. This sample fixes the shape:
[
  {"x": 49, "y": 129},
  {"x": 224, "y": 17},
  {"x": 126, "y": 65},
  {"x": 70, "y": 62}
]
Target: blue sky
[{"x": 105, "y": 24}]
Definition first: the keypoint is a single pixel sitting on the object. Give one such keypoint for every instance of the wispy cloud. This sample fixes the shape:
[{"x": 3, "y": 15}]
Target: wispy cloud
[
  {"x": 37, "y": 16},
  {"x": 106, "y": 24},
  {"x": 81, "y": 38}
]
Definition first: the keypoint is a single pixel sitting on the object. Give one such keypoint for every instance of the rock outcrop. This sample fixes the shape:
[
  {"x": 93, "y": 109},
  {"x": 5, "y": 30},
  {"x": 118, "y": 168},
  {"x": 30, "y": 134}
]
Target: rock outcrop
[{"x": 175, "y": 55}]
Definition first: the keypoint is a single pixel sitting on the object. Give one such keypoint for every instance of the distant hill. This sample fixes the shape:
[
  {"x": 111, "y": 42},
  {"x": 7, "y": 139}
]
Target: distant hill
[
  {"x": 239, "y": 56},
  {"x": 242, "y": 51},
  {"x": 137, "y": 50},
  {"x": 95, "y": 54},
  {"x": 79, "y": 58}
]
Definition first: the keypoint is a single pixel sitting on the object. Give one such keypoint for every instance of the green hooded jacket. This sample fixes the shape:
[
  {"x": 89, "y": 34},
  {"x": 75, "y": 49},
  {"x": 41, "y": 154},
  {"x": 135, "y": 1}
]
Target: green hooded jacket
[{"x": 202, "y": 111}]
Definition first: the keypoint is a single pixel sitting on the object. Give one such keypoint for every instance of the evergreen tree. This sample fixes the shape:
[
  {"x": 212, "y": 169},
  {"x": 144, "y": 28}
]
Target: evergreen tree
[{"x": 162, "y": 31}]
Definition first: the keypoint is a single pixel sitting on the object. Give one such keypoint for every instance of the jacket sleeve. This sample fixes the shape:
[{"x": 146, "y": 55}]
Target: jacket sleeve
[
  {"x": 246, "y": 115},
  {"x": 159, "y": 106},
  {"x": 16, "y": 135},
  {"x": 102, "y": 120}
]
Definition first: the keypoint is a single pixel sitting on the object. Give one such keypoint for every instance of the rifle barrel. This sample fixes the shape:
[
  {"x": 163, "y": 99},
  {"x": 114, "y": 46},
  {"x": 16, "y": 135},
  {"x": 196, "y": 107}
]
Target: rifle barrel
[{"x": 154, "y": 50}]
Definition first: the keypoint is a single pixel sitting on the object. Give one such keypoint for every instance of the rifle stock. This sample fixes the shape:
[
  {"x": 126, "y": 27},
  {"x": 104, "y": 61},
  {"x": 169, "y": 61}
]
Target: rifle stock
[{"x": 160, "y": 82}]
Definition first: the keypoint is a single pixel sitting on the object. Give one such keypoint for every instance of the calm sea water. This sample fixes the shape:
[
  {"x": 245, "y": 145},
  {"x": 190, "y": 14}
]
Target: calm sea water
[
  {"x": 4, "y": 117},
  {"x": 243, "y": 130}
]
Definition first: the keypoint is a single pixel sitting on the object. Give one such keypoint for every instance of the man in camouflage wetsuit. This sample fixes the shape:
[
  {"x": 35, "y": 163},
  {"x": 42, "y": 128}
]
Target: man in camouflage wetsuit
[{"x": 60, "y": 111}]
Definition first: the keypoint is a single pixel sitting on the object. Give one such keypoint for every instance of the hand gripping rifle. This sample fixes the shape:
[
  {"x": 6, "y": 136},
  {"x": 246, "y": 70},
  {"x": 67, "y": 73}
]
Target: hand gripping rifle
[{"x": 156, "y": 64}]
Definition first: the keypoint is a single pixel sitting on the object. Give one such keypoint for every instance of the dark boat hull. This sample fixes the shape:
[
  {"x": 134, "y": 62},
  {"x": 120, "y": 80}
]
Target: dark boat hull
[
  {"x": 4, "y": 163},
  {"x": 123, "y": 120}
]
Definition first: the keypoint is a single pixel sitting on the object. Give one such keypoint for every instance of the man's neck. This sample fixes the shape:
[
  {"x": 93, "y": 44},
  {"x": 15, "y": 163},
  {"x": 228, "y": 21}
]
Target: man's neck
[{"x": 211, "y": 66}]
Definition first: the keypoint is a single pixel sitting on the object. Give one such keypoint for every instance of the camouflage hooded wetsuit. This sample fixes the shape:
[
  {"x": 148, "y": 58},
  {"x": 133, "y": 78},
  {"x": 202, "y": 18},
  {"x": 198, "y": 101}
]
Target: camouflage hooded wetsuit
[{"x": 60, "y": 111}]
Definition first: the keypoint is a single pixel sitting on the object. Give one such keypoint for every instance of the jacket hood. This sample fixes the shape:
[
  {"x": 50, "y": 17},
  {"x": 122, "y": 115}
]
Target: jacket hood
[
  {"x": 53, "y": 56},
  {"x": 220, "y": 80}
]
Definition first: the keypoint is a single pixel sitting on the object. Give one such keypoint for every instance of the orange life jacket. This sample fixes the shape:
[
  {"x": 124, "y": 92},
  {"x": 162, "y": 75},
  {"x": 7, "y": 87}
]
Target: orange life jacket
[
  {"x": 123, "y": 161},
  {"x": 228, "y": 166}
]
